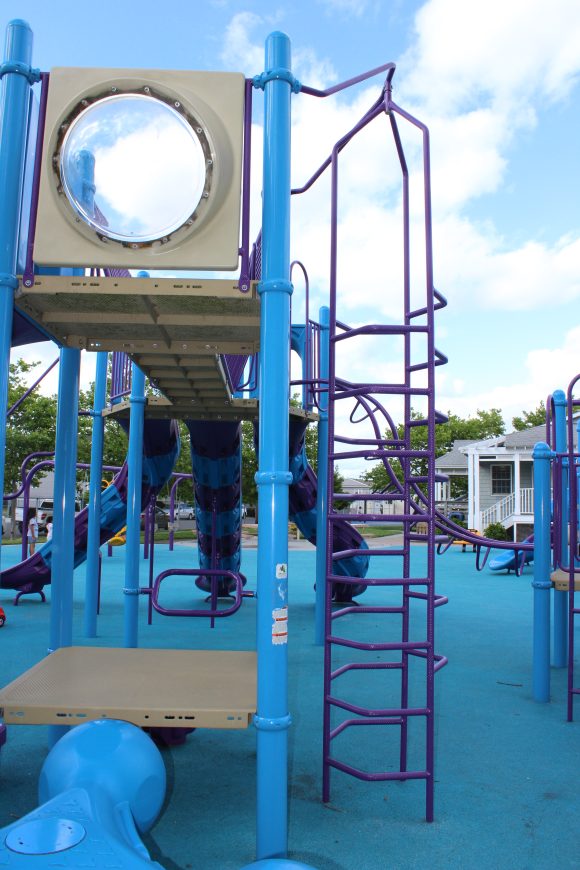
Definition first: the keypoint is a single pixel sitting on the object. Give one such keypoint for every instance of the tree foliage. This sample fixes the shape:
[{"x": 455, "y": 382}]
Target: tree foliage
[
  {"x": 31, "y": 428},
  {"x": 529, "y": 419},
  {"x": 485, "y": 424},
  {"x": 250, "y": 463}
]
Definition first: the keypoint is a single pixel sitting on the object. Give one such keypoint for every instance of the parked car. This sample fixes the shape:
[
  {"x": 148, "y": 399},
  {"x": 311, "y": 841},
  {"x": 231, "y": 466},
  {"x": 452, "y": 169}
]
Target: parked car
[
  {"x": 161, "y": 518},
  {"x": 44, "y": 513},
  {"x": 185, "y": 512}
]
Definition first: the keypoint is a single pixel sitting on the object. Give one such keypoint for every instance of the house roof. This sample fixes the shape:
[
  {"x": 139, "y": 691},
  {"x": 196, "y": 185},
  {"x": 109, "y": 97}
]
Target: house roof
[
  {"x": 523, "y": 440},
  {"x": 526, "y": 438},
  {"x": 351, "y": 484},
  {"x": 454, "y": 458}
]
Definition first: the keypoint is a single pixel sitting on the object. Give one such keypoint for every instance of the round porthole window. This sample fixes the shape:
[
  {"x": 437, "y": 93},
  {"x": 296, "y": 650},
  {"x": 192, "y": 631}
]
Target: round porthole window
[{"x": 134, "y": 167}]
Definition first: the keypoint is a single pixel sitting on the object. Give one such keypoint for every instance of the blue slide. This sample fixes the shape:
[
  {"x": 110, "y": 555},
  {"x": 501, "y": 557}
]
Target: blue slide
[{"x": 505, "y": 560}]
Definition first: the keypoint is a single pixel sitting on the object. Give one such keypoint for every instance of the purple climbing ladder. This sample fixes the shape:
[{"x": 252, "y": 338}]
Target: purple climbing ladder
[
  {"x": 573, "y": 462},
  {"x": 381, "y": 685}
]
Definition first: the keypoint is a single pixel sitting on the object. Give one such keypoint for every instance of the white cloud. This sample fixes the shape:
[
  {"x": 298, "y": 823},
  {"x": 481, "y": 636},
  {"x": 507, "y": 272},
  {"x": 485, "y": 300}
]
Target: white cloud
[
  {"x": 238, "y": 51},
  {"x": 474, "y": 268},
  {"x": 243, "y": 49},
  {"x": 498, "y": 51},
  {"x": 543, "y": 371}
]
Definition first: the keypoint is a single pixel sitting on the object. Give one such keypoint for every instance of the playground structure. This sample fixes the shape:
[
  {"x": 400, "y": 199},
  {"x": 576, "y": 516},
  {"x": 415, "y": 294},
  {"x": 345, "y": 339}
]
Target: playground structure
[{"x": 193, "y": 338}]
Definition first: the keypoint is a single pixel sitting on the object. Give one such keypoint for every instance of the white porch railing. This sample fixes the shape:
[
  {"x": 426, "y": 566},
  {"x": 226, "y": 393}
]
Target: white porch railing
[{"x": 502, "y": 510}]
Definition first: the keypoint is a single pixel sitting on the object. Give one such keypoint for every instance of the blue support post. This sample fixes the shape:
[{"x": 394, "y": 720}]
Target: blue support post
[
  {"x": 65, "y": 462},
  {"x": 16, "y": 79},
  {"x": 65, "y": 459},
  {"x": 134, "y": 482},
  {"x": 273, "y": 478},
  {"x": 541, "y": 582},
  {"x": 94, "y": 529},
  {"x": 322, "y": 474},
  {"x": 560, "y": 645}
]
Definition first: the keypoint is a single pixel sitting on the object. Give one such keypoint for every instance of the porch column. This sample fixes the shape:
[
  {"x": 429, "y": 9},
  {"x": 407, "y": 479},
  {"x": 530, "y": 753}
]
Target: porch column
[
  {"x": 517, "y": 486},
  {"x": 471, "y": 519}
]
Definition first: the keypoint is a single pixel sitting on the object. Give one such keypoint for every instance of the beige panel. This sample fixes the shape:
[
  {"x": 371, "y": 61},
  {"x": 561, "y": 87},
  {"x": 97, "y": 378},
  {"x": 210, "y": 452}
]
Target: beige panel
[
  {"x": 156, "y": 687},
  {"x": 561, "y": 581},
  {"x": 217, "y": 100}
]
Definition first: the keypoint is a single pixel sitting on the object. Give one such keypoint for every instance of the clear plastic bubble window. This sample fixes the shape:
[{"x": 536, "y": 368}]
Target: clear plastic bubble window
[{"x": 135, "y": 168}]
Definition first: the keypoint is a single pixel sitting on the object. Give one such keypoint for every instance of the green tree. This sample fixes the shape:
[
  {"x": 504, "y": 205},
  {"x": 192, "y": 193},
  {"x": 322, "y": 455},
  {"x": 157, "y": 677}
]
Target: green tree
[
  {"x": 529, "y": 419},
  {"x": 250, "y": 464},
  {"x": 31, "y": 428},
  {"x": 485, "y": 424}
]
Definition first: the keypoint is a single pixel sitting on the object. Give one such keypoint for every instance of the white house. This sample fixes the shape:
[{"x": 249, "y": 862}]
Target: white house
[
  {"x": 352, "y": 486},
  {"x": 500, "y": 485}
]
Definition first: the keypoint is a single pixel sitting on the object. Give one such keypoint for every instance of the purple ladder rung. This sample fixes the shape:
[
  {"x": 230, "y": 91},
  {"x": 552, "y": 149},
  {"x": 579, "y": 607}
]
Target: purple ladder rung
[
  {"x": 388, "y": 712},
  {"x": 391, "y": 646},
  {"x": 380, "y": 329},
  {"x": 378, "y": 777},
  {"x": 361, "y": 608},
  {"x": 378, "y": 581},
  {"x": 365, "y": 666}
]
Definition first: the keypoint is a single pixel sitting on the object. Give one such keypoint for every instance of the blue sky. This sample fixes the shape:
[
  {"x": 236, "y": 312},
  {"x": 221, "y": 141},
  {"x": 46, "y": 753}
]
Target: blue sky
[{"x": 497, "y": 83}]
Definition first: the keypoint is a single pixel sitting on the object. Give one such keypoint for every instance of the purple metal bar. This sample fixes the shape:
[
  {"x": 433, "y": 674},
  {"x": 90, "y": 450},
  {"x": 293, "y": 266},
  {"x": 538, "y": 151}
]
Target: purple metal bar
[
  {"x": 244, "y": 281},
  {"x": 151, "y": 563},
  {"x": 389, "y": 68},
  {"x": 573, "y": 542},
  {"x": 178, "y": 478},
  {"x": 28, "y": 277},
  {"x": 213, "y": 613},
  {"x": 30, "y": 389},
  {"x": 120, "y": 376}
]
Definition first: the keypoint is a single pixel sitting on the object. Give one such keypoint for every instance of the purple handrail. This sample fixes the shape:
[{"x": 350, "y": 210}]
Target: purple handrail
[
  {"x": 213, "y": 612},
  {"x": 25, "y": 395}
]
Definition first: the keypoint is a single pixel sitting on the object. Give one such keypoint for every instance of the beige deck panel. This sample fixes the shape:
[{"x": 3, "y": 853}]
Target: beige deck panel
[
  {"x": 156, "y": 687},
  {"x": 153, "y": 314},
  {"x": 173, "y": 329},
  {"x": 561, "y": 580},
  {"x": 158, "y": 408},
  {"x": 191, "y": 409}
]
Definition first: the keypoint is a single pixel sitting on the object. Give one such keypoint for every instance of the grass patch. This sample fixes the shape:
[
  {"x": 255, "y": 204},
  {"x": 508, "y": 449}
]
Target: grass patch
[{"x": 379, "y": 531}]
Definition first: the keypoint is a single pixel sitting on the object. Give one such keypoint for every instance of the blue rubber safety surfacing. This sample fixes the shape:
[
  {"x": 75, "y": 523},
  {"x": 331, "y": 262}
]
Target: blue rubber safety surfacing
[{"x": 277, "y": 864}]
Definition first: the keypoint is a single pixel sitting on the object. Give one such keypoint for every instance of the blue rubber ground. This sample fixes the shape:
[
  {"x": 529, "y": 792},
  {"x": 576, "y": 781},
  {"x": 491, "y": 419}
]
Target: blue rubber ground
[{"x": 507, "y": 788}]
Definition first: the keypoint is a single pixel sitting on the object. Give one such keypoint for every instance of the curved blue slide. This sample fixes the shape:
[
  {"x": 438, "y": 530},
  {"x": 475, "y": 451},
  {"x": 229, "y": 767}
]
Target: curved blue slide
[
  {"x": 160, "y": 452},
  {"x": 302, "y": 510},
  {"x": 217, "y": 473},
  {"x": 510, "y": 560}
]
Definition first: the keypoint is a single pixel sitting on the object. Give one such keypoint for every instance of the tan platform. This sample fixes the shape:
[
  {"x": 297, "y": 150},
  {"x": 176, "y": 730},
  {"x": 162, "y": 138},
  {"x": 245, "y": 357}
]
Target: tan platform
[
  {"x": 561, "y": 581},
  {"x": 156, "y": 687},
  {"x": 175, "y": 330}
]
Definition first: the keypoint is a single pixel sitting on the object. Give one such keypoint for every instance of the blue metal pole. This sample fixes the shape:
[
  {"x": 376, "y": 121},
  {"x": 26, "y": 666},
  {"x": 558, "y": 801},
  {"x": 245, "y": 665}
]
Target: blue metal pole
[
  {"x": 273, "y": 478},
  {"x": 13, "y": 129},
  {"x": 560, "y": 645},
  {"x": 322, "y": 474},
  {"x": 65, "y": 461},
  {"x": 94, "y": 529},
  {"x": 134, "y": 483},
  {"x": 541, "y": 582}
]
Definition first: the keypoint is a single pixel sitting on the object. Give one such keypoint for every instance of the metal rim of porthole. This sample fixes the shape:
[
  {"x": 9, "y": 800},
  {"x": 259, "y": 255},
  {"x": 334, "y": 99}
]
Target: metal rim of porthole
[{"x": 175, "y": 233}]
